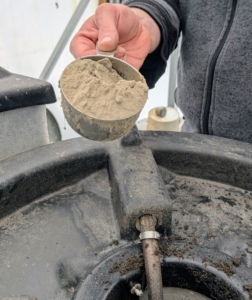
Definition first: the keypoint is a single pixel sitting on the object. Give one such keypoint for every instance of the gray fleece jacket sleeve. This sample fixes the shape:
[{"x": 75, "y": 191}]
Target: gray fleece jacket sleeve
[{"x": 166, "y": 14}]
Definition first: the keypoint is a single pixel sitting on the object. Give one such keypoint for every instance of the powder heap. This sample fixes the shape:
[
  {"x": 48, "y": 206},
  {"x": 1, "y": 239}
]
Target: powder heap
[{"x": 97, "y": 90}]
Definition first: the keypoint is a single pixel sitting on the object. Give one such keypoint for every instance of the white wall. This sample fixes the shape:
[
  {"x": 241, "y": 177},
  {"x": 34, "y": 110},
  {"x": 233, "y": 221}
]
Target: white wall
[{"x": 29, "y": 31}]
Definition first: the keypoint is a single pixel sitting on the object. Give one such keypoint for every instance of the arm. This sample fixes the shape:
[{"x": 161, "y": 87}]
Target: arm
[
  {"x": 166, "y": 14},
  {"x": 151, "y": 26}
]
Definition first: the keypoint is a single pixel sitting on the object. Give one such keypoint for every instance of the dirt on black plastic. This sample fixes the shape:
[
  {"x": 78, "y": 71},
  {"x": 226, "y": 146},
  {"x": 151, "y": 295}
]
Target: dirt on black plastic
[
  {"x": 224, "y": 267},
  {"x": 167, "y": 248},
  {"x": 131, "y": 263},
  {"x": 236, "y": 262},
  {"x": 248, "y": 289}
]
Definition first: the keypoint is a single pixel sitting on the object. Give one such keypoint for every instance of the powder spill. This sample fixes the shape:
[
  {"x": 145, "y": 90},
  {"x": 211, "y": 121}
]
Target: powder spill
[{"x": 97, "y": 90}]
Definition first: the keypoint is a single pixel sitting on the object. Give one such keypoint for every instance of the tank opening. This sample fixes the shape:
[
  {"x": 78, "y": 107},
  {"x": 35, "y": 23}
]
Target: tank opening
[{"x": 181, "y": 280}]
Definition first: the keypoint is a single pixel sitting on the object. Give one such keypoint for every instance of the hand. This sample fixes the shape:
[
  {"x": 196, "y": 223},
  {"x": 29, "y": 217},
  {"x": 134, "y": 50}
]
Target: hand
[{"x": 132, "y": 33}]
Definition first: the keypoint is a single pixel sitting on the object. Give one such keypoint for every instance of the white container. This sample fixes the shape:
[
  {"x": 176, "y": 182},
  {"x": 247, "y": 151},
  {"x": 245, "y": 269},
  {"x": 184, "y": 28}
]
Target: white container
[{"x": 161, "y": 119}]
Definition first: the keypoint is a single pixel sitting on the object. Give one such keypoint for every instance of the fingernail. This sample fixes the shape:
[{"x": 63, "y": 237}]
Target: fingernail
[{"x": 106, "y": 39}]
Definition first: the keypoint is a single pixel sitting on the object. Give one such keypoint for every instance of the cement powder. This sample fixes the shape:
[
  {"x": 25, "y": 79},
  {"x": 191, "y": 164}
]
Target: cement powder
[{"x": 97, "y": 90}]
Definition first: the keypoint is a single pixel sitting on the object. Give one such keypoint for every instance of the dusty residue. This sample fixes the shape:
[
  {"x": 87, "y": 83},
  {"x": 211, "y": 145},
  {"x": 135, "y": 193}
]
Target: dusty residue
[
  {"x": 224, "y": 267},
  {"x": 248, "y": 289},
  {"x": 97, "y": 90},
  {"x": 132, "y": 263}
]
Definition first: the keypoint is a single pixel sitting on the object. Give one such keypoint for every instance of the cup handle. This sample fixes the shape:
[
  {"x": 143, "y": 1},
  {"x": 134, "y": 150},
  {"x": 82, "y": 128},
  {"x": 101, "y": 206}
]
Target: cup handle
[{"x": 104, "y": 53}]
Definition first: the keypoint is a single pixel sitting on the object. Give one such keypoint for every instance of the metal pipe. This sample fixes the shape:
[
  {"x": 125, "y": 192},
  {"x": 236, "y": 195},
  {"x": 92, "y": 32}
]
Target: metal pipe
[
  {"x": 63, "y": 40},
  {"x": 151, "y": 259}
]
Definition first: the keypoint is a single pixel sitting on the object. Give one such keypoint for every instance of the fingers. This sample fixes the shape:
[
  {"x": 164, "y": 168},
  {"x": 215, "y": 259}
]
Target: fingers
[
  {"x": 106, "y": 20},
  {"x": 104, "y": 27},
  {"x": 101, "y": 27},
  {"x": 120, "y": 53},
  {"x": 81, "y": 47},
  {"x": 84, "y": 42}
]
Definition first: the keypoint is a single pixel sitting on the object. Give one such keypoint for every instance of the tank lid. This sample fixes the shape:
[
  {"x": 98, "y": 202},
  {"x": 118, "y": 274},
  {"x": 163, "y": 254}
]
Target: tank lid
[{"x": 18, "y": 91}]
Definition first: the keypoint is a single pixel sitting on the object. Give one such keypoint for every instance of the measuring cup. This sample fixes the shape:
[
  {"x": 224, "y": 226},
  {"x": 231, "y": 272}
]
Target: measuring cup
[{"x": 100, "y": 129}]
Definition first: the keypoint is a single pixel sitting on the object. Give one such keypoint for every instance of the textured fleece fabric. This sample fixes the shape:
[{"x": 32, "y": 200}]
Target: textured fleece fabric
[{"x": 215, "y": 66}]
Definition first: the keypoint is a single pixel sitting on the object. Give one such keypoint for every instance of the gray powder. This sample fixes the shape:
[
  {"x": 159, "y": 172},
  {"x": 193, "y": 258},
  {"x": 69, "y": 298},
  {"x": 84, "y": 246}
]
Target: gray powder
[{"x": 97, "y": 90}]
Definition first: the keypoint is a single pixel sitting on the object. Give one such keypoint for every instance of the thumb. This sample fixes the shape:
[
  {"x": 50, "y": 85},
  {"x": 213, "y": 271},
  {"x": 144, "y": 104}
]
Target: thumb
[{"x": 108, "y": 35}]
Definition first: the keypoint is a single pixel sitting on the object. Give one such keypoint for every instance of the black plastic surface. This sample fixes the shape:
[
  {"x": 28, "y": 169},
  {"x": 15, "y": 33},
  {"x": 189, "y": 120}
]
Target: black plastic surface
[
  {"x": 18, "y": 91},
  {"x": 68, "y": 212}
]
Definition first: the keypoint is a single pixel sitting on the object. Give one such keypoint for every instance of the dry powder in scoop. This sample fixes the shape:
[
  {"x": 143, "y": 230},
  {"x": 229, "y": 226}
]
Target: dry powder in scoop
[{"x": 97, "y": 90}]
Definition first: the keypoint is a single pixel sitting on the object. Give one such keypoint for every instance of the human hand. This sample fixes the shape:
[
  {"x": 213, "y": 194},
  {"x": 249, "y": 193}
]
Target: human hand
[{"x": 131, "y": 32}]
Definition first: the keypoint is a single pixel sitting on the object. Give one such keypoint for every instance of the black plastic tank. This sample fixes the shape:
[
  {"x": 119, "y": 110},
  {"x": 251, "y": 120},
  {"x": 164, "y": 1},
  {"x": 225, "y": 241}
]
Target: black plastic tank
[
  {"x": 68, "y": 215},
  {"x": 23, "y": 114}
]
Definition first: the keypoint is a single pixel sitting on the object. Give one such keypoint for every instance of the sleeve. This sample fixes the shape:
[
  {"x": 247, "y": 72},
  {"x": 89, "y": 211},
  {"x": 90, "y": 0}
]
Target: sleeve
[{"x": 166, "y": 14}]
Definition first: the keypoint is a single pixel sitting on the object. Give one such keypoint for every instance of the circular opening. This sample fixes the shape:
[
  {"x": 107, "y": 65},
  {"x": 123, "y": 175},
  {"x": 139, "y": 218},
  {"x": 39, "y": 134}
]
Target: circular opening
[
  {"x": 186, "y": 278},
  {"x": 179, "y": 280}
]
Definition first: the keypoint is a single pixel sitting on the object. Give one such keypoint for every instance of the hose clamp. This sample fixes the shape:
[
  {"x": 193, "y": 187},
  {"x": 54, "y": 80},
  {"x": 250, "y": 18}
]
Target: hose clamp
[{"x": 149, "y": 235}]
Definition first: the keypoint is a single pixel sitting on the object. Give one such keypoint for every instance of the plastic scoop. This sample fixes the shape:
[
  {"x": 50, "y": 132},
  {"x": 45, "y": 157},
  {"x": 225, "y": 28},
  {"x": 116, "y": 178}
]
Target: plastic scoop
[{"x": 101, "y": 129}]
